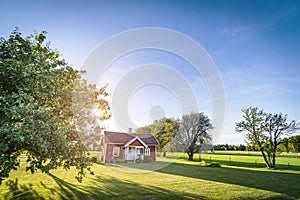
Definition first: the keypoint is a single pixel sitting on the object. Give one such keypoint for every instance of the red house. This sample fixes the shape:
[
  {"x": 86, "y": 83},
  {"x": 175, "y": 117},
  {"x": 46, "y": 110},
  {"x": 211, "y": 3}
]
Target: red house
[{"x": 129, "y": 147}]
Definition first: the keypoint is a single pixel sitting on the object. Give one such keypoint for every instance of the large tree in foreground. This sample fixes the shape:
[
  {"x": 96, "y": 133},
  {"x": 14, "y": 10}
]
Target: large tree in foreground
[
  {"x": 265, "y": 130},
  {"x": 45, "y": 107},
  {"x": 193, "y": 132}
]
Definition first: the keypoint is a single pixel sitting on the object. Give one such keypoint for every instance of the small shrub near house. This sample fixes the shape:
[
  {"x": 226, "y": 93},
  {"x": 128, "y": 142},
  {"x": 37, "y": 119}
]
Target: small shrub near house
[
  {"x": 213, "y": 164},
  {"x": 120, "y": 160},
  {"x": 148, "y": 160},
  {"x": 138, "y": 160}
]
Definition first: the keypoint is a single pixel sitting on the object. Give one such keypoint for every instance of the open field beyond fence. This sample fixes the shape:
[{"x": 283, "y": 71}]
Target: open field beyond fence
[{"x": 242, "y": 158}]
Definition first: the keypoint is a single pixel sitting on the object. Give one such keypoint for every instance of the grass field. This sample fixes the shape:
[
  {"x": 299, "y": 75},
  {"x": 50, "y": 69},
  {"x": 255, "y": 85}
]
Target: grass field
[
  {"x": 181, "y": 179},
  {"x": 244, "y": 159}
]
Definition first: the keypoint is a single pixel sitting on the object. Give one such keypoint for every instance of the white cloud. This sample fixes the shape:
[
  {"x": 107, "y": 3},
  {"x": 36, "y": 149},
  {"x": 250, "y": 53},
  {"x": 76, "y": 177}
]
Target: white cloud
[{"x": 234, "y": 31}]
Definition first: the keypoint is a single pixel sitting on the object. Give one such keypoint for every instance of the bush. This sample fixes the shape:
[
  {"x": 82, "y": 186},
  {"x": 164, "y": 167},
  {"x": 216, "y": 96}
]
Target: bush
[
  {"x": 120, "y": 160},
  {"x": 93, "y": 159},
  {"x": 148, "y": 160},
  {"x": 138, "y": 160},
  {"x": 213, "y": 164}
]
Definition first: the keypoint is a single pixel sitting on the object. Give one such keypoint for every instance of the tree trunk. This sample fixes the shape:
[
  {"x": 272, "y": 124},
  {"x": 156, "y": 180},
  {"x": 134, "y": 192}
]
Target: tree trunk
[
  {"x": 190, "y": 151},
  {"x": 264, "y": 155},
  {"x": 265, "y": 158},
  {"x": 273, "y": 161},
  {"x": 274, "y": 157},
  {"x": 200, "y": 159},
  {"x": 191, "y": 155},
  {"x": 164, "y": 154}
]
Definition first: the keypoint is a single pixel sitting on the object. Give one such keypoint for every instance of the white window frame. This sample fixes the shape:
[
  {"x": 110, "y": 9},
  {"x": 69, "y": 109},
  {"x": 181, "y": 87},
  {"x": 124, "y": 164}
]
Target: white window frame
[
  {"x": 138, "y": 151},
  {"x": 147, "y": 152},
  {"x": 116, "y": 151}
]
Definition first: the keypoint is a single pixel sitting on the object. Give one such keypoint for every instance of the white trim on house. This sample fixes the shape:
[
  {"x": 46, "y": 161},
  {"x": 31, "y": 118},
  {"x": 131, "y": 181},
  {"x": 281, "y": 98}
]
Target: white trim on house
[
  {"x": 136, "y": 138},
  {"x": 114, "y": 143},
  {"x": 117, "y": 151},
  {"x": 104, "y": 152},
  {"x": 134, "y": 153},
  {"x": 147, "y": 151},
  {"x": 155, "y": 150},
  {"x": 139, "y": 150}
]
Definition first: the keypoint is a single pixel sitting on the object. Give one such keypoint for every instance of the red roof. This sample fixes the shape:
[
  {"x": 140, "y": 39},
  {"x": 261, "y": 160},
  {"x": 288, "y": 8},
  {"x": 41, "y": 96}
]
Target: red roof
[{"x": 123, "y": 138}]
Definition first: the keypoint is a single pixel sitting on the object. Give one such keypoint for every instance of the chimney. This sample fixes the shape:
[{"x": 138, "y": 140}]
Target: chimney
[{"x": 130, "y": 130}]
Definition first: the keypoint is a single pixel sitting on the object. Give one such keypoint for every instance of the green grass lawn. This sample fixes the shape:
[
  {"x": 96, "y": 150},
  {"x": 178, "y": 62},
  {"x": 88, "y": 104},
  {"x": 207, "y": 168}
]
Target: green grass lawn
[
  {"x": 251, "y": 159},
  {"x": 244, "y": 159},
  {"x": 181, "y": 179}
]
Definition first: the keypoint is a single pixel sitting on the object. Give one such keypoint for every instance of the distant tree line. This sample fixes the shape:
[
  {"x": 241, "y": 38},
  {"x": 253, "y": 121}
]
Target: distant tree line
[
  {"x": 288, "y": 144},
  {"x": 229, "y": 147}
]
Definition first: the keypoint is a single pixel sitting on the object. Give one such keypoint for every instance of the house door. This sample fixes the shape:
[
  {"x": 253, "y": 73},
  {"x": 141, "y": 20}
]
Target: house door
[
  {"x": 130, "y": 153},
  {"x": 139, "y": 152}
]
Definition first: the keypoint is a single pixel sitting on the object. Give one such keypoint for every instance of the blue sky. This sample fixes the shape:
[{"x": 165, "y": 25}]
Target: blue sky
[{"x": 254, "y": 44}]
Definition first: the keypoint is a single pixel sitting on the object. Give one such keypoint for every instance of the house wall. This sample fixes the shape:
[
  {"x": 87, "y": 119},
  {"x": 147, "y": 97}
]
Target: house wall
[
  {"x": 153, "y": 152},
  {"x": 109, "y": 153}
]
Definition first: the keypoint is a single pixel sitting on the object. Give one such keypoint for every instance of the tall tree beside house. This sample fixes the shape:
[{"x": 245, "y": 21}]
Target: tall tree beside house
[
  {"x": 265, "y": 130},
  {"x": 144, "y": 129},
  {"x": 193, "y": 132},
  {"x": 40, "y": 114},
  {"x": 164, "y": 130}
]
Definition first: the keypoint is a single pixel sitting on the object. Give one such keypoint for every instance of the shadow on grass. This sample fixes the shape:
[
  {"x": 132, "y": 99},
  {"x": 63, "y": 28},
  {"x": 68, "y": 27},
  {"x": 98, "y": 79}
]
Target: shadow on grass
[
  {"x": 284, "y": 183},
  {"x": 275, "y": 181},
  {"x": 21, "y": 191},
  {"x": 252, "y": 164},
  {"x": 96, "y": 188},
  {"x": 113, "y": 188}
]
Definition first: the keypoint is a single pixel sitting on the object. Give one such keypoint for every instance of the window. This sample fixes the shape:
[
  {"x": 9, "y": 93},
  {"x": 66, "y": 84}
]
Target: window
[
  {"x": 147, "y": 152},
  {"x": 137, "y": 151},
  {"x": 116, "y": 151}
]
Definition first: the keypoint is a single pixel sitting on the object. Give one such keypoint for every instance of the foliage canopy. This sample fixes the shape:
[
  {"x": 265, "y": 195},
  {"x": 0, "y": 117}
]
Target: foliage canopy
[
  {"x": 46, "y": 108},
  {"x": 163, "y": 129},
  {"x": 265, "y": 130},
  {"x": 193, "y": 132}
]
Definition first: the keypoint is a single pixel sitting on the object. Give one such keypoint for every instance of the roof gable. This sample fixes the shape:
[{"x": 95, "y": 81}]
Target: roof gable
[
  {"x": 149, "y": 139},
  {"x": 134, "y": 139}
]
